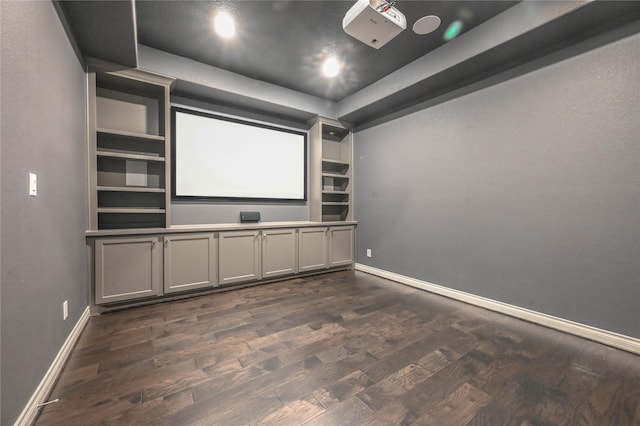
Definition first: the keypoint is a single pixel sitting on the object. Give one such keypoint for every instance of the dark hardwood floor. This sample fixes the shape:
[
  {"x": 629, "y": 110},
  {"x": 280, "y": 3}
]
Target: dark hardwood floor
[{"x": 344, "y": 348}]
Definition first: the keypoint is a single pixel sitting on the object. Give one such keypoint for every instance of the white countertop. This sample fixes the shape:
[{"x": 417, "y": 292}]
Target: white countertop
[{"x": 212, "y": 227}]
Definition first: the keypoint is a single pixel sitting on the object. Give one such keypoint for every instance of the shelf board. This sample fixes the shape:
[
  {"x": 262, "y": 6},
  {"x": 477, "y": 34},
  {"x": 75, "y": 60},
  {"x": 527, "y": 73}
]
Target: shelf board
[
  {"x": 334, "y": 175},
  {"x": 145, "y": 210},
  {"x": 335, "y": 203},
  {"x": 124, "y": 133},
  {"x": 335, "y": 167},
  {"x": 143, "y": 86},
  {"x": 336, "y": 162},
  {"x": 333, "y": 133},
  {"x": 327, "y": 191},
  {"x": 130, "y": 189},
  {"x": 123, "y": 155}
]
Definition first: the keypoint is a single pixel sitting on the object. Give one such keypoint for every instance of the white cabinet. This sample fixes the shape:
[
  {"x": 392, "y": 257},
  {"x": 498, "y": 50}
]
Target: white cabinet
[
  {"x": 322, "y": 247},
  {"x": 341, "y": 245},
  {"x": 130, "y": 268},
  {"x": 127, "y": 268},
  {"x": 313, "y": 253},
  {"x": 279, "y": 255},
  {"x": 239, "y": 256},
  {"x": 190, "y": 262}
]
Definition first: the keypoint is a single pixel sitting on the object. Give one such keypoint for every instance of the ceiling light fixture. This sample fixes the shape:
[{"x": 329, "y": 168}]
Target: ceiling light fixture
[
  {"x": 224, "y": 25},
  {"x": 331, "y": 67}
]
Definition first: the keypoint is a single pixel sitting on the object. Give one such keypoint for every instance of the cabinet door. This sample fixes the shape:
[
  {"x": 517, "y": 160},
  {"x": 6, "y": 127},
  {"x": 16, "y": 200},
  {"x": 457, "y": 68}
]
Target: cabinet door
[
  {"x": 239, "y": 256},
  {"x": 190, "y": 262},
  {"x": 312, "y": 249},
  {"x": 341, "y": 246},
  {"x": 127, "y": 268},
  {"x": 279, "y": 255}
]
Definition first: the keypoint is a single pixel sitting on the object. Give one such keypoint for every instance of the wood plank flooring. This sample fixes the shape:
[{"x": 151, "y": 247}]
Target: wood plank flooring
[{"x": 344, "y": 348}]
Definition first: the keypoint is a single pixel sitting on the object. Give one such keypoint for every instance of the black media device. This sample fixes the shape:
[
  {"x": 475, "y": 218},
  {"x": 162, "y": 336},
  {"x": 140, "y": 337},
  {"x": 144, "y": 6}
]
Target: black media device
[{"x": 249, "y": 217}]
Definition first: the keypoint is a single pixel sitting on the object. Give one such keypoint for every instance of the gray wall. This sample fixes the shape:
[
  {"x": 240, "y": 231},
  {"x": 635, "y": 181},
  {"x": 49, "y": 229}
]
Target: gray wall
[
  {"x": 43, "y": 250},
  {"x": 212, "y": 212},
  {"x": 526, "y": 192}
]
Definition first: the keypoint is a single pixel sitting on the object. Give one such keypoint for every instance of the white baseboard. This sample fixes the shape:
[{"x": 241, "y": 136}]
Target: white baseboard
[
  {"x": 619, "y": 341},
  {"x": 30, "y": 411}
]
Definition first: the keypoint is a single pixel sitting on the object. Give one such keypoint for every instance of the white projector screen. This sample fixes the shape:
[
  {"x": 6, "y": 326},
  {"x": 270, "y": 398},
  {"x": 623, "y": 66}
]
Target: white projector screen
[{"x": 221, "y": 157}]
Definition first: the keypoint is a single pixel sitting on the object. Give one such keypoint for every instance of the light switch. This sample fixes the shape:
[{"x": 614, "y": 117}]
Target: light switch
[{"x": 33, "y": 184}]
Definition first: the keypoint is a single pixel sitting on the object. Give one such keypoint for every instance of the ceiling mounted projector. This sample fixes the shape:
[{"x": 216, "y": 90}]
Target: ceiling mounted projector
[{"x": 374, "y": 22}]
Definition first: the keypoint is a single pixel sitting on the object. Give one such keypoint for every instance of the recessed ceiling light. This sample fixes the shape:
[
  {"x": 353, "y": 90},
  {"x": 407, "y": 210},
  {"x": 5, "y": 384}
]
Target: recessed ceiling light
[
  {"x": 331, "y": 67},
  {"x": 224, "y": 25},
  {"x": 426, "y": 24}
]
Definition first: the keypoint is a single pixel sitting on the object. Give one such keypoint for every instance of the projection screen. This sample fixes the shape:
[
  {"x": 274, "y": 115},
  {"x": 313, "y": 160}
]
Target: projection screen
[{"x": 222, "y": 157}]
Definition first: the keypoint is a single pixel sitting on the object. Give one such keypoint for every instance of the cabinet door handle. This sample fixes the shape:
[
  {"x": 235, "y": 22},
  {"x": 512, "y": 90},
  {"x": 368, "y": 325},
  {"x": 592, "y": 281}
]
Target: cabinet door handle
[
  {"x": 166, "y": 243},
  {"x": 153, "y": 244}
]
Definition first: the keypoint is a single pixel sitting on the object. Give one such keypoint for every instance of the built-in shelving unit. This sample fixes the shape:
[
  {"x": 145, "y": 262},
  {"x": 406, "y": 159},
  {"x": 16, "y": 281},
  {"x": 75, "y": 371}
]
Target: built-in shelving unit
[
  {"x": 331, "y": 171},
  {"x": 129, "y": 150},
  {"x": 130, "y": 189}
]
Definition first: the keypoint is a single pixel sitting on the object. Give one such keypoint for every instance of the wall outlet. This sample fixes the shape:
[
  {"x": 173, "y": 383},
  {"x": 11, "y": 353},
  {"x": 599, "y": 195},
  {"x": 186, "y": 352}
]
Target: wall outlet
[
  {"x": 368, "y": 252},
  {"x": 65, "y": 310},
  {"x": 33, "y": 184}
]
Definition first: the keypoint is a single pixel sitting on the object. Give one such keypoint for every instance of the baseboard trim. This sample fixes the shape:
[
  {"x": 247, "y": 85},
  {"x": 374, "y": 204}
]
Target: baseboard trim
[
  {"x": 619, "y": 341},
  {"x": 30, "y": 411}
]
